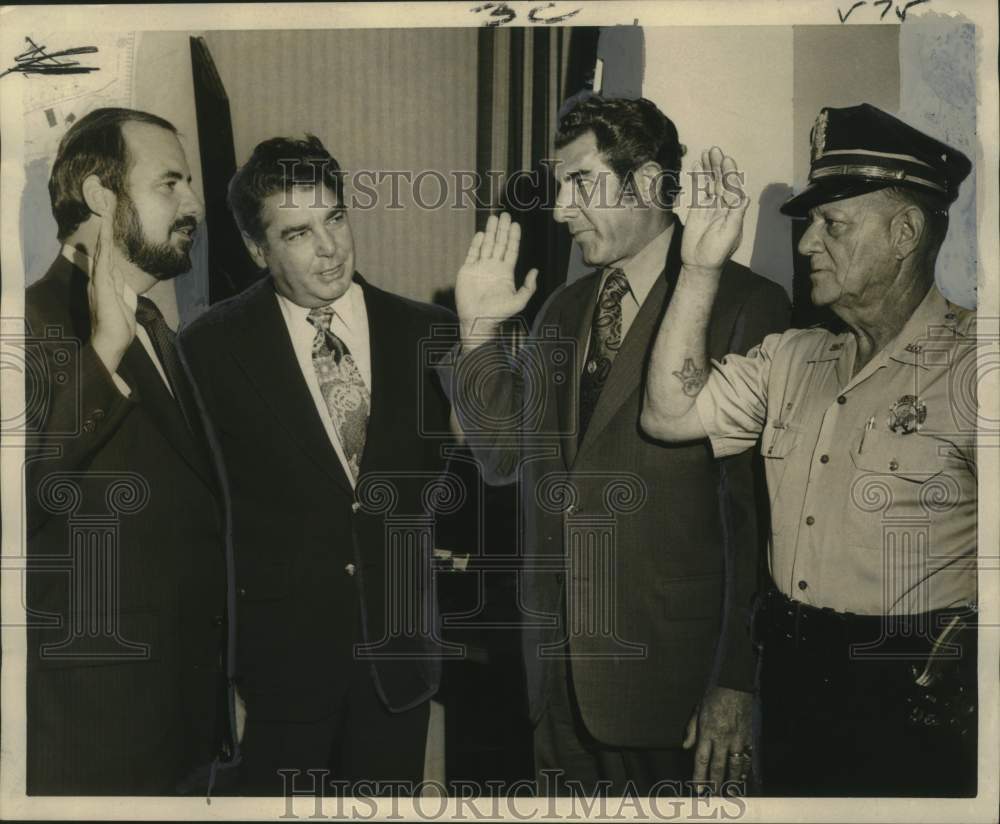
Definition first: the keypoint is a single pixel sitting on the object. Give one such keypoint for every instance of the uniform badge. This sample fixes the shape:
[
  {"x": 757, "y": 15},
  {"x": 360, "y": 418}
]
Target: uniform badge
[
  {"x": 907, "y": 414},
  {"x": 819, "y": 136}
]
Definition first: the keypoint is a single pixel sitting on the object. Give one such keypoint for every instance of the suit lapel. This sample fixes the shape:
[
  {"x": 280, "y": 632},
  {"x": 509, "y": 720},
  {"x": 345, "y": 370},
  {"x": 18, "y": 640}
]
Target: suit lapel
[
  {"x": 389, "y": 377},
  {"x": 575, "y": 322},
  {"x": 629, "y": 366},
  {"x": 264, "y": 349}
]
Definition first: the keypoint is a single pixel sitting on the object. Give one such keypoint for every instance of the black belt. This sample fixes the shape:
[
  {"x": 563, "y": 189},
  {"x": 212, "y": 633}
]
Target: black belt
[{"x": 783, "y": 622}]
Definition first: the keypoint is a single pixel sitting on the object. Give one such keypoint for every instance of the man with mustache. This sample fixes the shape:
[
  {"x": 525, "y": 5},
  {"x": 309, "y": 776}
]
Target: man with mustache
[
  {"x": 126, "y": 582},
  {"x": 868, "y": 437},
  {"x": 313, "y": 381}
]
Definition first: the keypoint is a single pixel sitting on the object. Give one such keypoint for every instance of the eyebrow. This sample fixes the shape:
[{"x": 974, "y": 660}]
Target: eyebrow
[
  {"x": 173, "y": 175},
  {"x": 301, "y": 227}
]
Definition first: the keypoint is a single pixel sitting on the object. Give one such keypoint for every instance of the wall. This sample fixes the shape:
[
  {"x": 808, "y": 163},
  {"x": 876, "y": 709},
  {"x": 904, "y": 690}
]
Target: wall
[
  {"x": 755, "y": 91},
  {"x": 379, "y": 100}
]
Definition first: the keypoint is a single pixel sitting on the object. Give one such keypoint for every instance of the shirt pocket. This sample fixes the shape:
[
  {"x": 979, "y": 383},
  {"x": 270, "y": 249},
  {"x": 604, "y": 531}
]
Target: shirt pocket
[
  {"x": 911, "y": 457},
  {"x": 781, "y": 442}
]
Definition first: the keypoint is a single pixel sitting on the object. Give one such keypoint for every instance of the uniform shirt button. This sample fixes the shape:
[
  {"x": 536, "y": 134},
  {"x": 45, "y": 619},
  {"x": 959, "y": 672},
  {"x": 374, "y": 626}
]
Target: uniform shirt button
[
  {"x": 355, "y": 507},
  {"x": 824, "y": 459},
  {"x": 810, "y": 520},
  {"x": 349, "y": 569},
  {"x": 803, "y": 585},
  {"x": 893, "y": 465},
  {"x": 841, "y": 400}
]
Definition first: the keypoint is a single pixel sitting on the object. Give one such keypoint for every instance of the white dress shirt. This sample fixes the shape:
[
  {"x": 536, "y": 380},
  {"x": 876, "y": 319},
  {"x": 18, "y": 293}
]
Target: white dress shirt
[
  {"x": 350, "y": 324},
  {"x": 83, "y": 261}
]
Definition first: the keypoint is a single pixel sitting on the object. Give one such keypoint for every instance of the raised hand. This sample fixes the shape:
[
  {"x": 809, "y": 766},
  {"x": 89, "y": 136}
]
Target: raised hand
[
  {"x": 714, "y": 227},
  {"x": 112, "y": 322},
  {"x": 485, "y": 294}
]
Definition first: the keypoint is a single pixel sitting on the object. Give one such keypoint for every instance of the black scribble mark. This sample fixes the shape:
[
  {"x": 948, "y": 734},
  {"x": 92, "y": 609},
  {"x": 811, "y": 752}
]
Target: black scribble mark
[
  {"x": 534, "y": 17},
  {"x": 36, "y": 60},
  {"x": 843, "y": 17},
  {"x": 502, "y": 11},
  {"x": 886, "y": 3},
  {"x": 901, "y": 13}
]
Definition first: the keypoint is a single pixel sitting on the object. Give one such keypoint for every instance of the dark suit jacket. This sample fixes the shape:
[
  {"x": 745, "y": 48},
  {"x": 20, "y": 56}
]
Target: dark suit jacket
[
  {"x": 320, "y": 568},
  {"x": 626, "y": 537},
  {"x": 125, "y": 544}
]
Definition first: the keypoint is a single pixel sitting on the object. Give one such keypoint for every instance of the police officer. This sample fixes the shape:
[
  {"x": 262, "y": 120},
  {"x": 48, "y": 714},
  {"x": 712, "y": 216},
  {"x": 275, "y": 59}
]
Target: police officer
[{"x": 868, "y": 676}]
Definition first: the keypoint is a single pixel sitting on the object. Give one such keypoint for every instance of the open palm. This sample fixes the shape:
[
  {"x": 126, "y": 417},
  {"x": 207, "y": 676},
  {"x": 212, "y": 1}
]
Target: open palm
[
  {"x": 485, "y": 294},
  {"x": 714, "y": 227}
]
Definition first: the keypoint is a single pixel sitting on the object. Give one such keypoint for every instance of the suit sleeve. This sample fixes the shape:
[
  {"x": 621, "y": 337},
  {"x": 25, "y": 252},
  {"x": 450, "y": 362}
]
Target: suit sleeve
[
  {"x": 743, "y": 501},
  {"x": 487, "y": 389},
  {"x": 73, "y": 408}
]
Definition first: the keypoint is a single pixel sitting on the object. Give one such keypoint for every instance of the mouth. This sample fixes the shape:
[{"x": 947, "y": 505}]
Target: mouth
[{"x": 332, "y": 273}]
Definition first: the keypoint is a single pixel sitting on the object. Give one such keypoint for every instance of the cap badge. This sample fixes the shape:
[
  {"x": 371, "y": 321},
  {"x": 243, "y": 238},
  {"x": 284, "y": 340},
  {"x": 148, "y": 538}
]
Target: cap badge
[
  {"x": 819, "y": 135},
  {"x": 907, "y": 415}
]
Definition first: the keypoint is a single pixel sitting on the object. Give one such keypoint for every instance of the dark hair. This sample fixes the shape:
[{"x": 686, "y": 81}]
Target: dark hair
[
  {"x": 629, "y": 133},
  {"x": 277, "y": 165},
  {"x": 94, "y": 145},
  {"x": 935, "y": 211}
]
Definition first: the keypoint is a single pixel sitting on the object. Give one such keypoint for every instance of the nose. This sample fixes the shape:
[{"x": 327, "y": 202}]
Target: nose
[
  {"x": 193, "y": 204},
  {"x": 809, "y": 242},
  {"x": 326, "y": 245},
  {"x": 565, "y": 207}
]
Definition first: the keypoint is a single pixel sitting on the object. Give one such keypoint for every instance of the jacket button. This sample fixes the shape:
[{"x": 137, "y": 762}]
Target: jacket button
[
  {"x": 349, "y": 569},
  {"x": 355, "y": 507},
  {"x": 241, "y": 592},
  {"x": 217, "y": 621}
]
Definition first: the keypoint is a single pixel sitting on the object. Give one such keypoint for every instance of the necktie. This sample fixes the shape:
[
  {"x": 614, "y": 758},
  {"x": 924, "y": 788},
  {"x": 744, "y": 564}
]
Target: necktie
[
  {"x": 343, "y": 389},
  {"x": 164, "y": 341},
  {"x": 605, "y": 341}
]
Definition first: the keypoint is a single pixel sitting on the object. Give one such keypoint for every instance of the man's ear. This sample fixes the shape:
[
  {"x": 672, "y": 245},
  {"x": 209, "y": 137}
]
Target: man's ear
[
  {"x": 647, "y": 183},
  {"x": 255, "y": 249},
  {"x": 907, "y": 229},
  {"x": 99, "y": 199}
]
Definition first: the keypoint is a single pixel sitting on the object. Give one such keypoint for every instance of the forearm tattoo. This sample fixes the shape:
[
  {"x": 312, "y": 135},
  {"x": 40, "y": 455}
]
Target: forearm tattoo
[{"x": 692, "y": 378}]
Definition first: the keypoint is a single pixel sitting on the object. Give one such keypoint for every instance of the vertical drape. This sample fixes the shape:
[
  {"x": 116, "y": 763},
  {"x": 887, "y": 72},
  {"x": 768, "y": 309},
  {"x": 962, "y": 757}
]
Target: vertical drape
[{"x": 525, "y": 75}]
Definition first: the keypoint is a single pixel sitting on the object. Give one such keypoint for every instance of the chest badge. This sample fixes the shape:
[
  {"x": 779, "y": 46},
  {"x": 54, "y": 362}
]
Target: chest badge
[{"x": 907, "y": 414}]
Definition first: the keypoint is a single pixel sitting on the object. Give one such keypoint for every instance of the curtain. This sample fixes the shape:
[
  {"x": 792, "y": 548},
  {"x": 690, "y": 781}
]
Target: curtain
[{"x": 526, "y": 75}]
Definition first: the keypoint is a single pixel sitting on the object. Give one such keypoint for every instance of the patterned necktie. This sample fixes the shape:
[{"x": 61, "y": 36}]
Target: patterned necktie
[
  {"x": 343, "y": 389},
  {"x": 605, "y": 341},
  {"x": 164, "y": 341}
]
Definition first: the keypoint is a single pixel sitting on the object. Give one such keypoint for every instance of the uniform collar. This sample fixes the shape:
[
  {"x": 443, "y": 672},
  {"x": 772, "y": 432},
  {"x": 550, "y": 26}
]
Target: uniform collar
[{"x": 935, "y": 319}]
